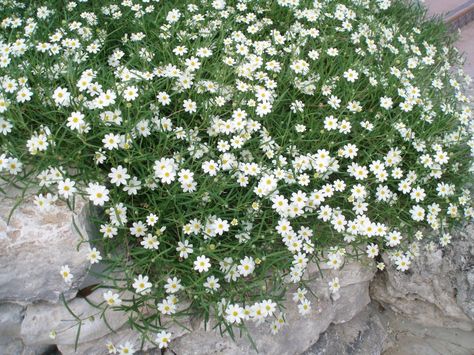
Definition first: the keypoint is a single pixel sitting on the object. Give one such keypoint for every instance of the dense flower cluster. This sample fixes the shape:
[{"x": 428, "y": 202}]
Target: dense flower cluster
[{"x": 229, "y": 144}]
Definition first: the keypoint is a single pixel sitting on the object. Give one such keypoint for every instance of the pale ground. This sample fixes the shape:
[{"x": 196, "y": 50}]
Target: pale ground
[
  {"x": 466, "y": 41},
  {"x": 466, "y": 45},
  {"x": 439, "y": 7}
]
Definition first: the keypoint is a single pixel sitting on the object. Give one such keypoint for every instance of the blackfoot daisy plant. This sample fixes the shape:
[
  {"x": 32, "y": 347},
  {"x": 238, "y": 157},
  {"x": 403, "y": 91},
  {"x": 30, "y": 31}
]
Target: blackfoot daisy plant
[{"x": 227, "y": 145}]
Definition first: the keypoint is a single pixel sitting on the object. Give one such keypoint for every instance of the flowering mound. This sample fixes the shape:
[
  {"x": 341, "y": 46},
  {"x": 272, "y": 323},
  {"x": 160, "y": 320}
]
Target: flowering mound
[{"x": 229, "y": 144}]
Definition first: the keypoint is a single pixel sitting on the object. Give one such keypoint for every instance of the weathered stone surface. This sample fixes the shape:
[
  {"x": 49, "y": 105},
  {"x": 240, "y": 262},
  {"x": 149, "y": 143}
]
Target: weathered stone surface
[
  {"x": 301, "y": 332},
  {"x": 461, "y": 256},
  {"x": 11, "y": 316},
  {"x": 437, "y": 290},
  {"x": 98, "y": 346},
  {"x": 426, "y": 346},
  {"x": 122, "y": 336},
  {"x": 41, "y": 318},
  {"x": 364, "y": 334},
  {"x": 33, "y": 247},
  {"x": 376, "y": 331},
  {"x": 406, "y": 336},
  {"x": 10, "y": 345}
]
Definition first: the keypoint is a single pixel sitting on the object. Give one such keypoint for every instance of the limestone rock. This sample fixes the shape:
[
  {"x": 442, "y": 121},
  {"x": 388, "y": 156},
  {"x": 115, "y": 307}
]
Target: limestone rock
[
  {"x": 41, "y": 318},
  {"x": 122, "y": 336},
  {"x": 11, "y": 316},
  {"x": 293, "y": 339},
  {"x": 362, "y": 335},
  {"x": 10, "y": 345},
  {"x": 98, "y": 346},
  {"x": 461, "y": 256},
  {"x": 407, "y": 336},
  {"x": 437, "y": 290},
  {"x": 301, "y": 331},
  {"x": 33, "y": 247}
]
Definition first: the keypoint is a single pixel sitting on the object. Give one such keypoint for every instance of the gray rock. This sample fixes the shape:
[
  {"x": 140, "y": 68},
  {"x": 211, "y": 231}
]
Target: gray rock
[
  {"x": 11, "y": 316},
  {"x": 43, "y": 317},
  {"x": 301, "y": 332},
  {"x": 406, "y": 336},
  {"x": 293, "y": 339},
  {"x": 364, "y": 334},
  {"x": 98, "y": 346},
  {"x": 10, "y": 345},
  {"x": 429, "y": 310},
  {"x": 461, "y": 256},
  {"x": 424, "y": 309},
  {"x": 122, "y": 336},
  {"x": 436, "y": 291},
  {"x": 33, "y": 247}
]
